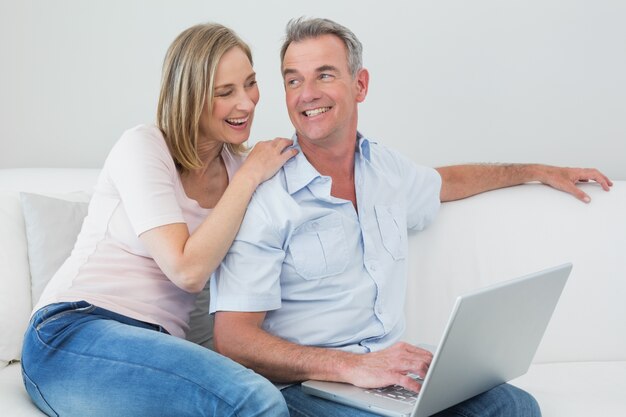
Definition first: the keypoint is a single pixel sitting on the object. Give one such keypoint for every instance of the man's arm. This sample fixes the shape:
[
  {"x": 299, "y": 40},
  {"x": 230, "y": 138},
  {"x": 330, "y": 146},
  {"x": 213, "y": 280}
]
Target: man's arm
[
  {"x": 461, "y": 181},
  {"x": 240, "y": 337}
]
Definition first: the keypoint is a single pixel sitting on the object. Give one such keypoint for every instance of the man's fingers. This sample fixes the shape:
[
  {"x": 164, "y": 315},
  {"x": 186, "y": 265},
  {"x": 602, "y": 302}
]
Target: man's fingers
[
  {"x": 416, "y": 350},
  {"x": 569, "y": 177},
  {"x": 586, "y": 175},
  {"x": 604, "y": 181},
  {"x": 411, "y": 359},
  {"x": 578, "y": 193},
  {"x": 409, "y": 383}
]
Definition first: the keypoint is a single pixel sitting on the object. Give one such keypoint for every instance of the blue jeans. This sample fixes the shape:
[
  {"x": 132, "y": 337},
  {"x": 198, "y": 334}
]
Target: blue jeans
[
  {"x": 82, "y": 360},
  {"x": 504, "y": 400}
]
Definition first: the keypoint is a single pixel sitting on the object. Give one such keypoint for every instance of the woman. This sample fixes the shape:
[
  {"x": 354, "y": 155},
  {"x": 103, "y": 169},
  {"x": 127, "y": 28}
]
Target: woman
[{"x": 107, "y": 336}]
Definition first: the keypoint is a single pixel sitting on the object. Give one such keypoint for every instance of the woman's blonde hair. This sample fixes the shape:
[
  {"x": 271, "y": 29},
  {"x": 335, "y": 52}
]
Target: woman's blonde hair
[{"x": 188, "y": 75}]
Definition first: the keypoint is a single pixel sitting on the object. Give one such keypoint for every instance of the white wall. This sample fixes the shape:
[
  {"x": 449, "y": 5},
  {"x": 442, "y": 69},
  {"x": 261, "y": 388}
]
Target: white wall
[{"x": 451, "y": 81}]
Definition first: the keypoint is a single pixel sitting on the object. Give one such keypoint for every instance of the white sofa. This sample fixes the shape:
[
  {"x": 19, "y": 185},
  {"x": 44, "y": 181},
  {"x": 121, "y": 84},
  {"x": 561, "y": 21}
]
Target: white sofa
[{"x": 580, "y": 368}]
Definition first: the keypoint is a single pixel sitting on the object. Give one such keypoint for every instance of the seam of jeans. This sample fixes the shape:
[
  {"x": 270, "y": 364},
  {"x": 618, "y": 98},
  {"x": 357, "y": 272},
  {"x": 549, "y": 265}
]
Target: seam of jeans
[
  {"x": 36, "y": 387},
  {"x": 63, "y": 313}
]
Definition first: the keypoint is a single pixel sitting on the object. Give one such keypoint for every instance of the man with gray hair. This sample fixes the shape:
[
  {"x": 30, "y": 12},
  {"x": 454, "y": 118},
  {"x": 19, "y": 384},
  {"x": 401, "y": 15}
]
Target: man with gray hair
[{"x": 313, "y": 286}]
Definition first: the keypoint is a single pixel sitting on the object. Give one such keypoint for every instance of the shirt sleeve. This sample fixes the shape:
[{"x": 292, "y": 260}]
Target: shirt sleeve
[
  {"x": 422, "y": 190},
  {"x": 142, "y": 171},
  {"x": 248, "y": 278}
]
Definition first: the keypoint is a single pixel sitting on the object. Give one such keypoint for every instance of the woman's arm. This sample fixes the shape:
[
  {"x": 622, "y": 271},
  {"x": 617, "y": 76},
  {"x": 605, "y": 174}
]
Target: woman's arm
[{"x": 188, "y": 260}]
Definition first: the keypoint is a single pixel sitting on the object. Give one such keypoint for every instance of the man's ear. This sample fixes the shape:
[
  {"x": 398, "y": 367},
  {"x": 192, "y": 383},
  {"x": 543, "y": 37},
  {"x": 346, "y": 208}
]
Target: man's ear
[{"x": 362, "y": 83}]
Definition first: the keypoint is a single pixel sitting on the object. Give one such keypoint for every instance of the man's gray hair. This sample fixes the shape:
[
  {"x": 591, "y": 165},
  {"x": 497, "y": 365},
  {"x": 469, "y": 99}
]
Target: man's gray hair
[{"x": 300, "y": 29}]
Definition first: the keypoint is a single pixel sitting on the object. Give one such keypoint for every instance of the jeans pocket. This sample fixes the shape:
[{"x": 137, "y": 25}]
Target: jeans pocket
[
  {"x": 63, "y": 315},
  {"x": 35, "y": 395}
]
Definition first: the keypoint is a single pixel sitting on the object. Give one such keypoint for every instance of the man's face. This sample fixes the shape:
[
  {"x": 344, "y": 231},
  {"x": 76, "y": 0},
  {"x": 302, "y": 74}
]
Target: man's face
[{"x": 321, "y": 94}]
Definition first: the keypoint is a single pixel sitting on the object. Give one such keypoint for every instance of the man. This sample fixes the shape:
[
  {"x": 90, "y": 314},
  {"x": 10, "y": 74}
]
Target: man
[{"x": 313, "y": 286}]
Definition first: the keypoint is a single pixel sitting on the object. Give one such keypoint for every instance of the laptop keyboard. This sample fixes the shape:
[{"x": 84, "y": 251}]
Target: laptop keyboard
[{"x": 395, "y": 392}]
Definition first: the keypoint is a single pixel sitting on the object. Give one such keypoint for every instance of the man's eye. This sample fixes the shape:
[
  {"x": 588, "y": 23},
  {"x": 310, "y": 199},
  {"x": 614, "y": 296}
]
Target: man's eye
[
  {"x": 325, "y": 76},
  {"x": 293, "y": 83}
]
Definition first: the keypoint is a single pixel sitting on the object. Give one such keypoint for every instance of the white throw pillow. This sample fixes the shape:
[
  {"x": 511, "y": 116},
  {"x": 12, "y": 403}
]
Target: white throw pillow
[{"x": 52, "y": 225}]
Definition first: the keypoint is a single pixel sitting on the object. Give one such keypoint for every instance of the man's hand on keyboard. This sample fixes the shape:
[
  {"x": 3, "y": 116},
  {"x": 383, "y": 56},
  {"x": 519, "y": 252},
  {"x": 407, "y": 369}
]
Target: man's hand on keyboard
[{"x": 390, "y": 366}]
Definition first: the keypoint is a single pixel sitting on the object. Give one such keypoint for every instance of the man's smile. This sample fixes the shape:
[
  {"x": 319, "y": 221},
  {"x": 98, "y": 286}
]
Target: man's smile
[{"x": 315, "y": 112}]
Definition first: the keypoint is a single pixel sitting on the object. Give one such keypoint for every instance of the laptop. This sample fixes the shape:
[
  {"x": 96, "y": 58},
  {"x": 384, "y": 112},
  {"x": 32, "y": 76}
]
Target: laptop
[{"x": 491, "y": 337}]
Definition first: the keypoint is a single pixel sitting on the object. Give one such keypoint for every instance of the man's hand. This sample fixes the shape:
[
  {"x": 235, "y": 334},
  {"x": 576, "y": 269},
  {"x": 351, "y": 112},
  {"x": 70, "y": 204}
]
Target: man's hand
[
  {"x": 239, "y": 336},
  {"x": 565, "y": 179},
  {"x": 390, "y": 367}
]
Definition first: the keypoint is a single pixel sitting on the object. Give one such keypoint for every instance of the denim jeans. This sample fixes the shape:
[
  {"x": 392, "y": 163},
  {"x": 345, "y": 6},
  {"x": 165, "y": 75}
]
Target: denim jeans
[
  {"x": 82, "y": 360},
  {"x": 502, "y": 401}
]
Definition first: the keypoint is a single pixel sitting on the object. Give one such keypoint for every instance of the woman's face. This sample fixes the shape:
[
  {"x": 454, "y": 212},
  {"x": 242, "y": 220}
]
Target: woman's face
[{"x": 235, "y": 95}]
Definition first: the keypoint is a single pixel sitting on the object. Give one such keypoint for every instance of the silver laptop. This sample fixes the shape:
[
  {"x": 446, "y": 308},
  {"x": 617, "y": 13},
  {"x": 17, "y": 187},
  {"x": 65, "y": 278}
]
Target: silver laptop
[{"x": 491, "y": 337}]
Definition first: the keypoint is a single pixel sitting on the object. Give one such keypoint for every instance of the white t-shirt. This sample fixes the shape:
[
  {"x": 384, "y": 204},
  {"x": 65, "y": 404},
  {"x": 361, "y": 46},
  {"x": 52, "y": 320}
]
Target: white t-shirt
[{"x": 138, "y": 189}]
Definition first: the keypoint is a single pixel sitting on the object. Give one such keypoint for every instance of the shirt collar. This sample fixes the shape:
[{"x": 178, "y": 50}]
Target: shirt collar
[
  {"x": 299, "y": 172},
  {"x": 363, "y": 145}
]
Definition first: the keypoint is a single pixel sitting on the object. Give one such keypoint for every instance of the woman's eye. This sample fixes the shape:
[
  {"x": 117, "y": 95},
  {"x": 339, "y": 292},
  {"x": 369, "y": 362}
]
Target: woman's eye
[
  {"x": 223, "y": 93},
  {"x": 252, "y": 83}
]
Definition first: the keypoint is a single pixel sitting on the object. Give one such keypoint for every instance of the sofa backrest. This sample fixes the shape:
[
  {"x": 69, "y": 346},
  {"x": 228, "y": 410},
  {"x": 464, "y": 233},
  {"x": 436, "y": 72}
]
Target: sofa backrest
[
  {"x": 512, "y": 232},
  {"x": 473, "y": 243}
]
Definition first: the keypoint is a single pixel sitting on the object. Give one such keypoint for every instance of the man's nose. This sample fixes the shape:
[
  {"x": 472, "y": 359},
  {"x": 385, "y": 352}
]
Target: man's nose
[{"x": 309, "y": 92}]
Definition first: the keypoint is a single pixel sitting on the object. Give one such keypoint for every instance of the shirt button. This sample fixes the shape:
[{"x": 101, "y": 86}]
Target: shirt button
[
  {"x": 379, "y": 309},
  {"x": 315, "y": 225},
  {"x": 373, "y": 267}
]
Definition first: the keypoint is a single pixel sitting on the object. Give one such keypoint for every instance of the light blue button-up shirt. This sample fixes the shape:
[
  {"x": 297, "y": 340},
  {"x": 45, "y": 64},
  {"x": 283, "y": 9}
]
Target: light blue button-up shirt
[{"x": 326, "y": 274}]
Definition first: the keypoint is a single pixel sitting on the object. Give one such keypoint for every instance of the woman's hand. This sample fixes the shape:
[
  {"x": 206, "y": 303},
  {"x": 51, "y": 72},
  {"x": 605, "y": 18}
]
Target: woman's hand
[{"x": 266, "y": 158}]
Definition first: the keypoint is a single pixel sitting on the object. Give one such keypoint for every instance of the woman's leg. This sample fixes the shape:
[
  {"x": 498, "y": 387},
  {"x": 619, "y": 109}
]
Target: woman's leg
[{"x": 80, "y": 361}]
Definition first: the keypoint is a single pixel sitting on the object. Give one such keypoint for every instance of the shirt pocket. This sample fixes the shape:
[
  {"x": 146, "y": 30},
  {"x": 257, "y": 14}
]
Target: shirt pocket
[
  {"x": 318, "y": 248},
  {"x": 392, "y": 226}
]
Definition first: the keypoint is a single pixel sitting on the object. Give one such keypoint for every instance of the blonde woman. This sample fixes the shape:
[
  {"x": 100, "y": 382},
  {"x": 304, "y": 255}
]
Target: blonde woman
[{"x": 107, "y": 336}]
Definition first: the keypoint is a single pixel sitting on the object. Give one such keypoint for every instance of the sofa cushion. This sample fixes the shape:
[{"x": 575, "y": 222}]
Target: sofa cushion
[
  {"x": 52, "y": 225},
  {"x": 577, "y": 389},
  {"x": 200, "y": 321},
  {"x": 15, "y": 294},
  {"x": 14, "y": 401}
]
